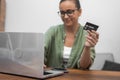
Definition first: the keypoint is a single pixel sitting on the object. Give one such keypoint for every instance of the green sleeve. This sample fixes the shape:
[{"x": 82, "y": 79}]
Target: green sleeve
[{"x": 48, "y": 41}]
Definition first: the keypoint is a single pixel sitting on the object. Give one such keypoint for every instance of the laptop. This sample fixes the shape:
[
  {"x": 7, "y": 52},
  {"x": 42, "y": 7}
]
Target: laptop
[{"x": 22, "y": 53}]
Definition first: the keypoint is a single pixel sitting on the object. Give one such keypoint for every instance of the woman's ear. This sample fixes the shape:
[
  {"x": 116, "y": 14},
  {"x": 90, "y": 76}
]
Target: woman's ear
[{"x": 80, "y": 11}]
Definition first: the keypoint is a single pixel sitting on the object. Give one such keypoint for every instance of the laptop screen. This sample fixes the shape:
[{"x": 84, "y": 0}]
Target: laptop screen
[
  {"x": 23, "y": 49},
  {"x": 23, "y": 54}
]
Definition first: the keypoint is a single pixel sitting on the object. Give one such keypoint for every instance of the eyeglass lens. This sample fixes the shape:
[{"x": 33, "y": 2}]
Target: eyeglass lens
[{"x": 68, "y": 12}]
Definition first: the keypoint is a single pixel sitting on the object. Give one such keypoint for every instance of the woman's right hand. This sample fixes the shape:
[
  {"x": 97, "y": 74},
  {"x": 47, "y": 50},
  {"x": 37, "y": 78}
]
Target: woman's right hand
[{"x": 44, "y": 66}]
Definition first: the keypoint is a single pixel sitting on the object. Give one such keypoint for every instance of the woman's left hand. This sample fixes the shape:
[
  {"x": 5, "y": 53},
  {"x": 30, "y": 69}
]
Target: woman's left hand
[{"x": 91, "y": 38}]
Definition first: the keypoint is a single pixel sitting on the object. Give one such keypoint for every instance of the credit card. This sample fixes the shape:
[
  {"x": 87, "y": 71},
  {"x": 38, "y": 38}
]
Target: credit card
[{"x": 90, "y": 26}]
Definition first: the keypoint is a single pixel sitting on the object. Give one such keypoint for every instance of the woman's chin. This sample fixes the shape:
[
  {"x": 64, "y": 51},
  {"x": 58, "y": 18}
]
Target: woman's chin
[{"x": 68, "y": 25}]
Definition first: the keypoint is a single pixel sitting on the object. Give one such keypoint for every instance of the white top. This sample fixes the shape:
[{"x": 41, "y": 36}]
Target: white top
[{"x": 66, "y": 52}]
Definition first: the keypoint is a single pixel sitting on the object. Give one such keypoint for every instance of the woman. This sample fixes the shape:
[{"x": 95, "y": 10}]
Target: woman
[{"x": 68, "y": 42}]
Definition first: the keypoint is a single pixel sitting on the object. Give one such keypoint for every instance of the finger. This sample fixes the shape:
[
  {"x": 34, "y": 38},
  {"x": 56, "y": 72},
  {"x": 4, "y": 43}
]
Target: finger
[
  {"x": 93, "y": 34},
  {"x": 91, "y": 44},
  {"x": 92, "y": 40},
  {"x": 90, "y": 33},
  {"x": 44, "y": 66},
  {"x": 92, "y": 37}
]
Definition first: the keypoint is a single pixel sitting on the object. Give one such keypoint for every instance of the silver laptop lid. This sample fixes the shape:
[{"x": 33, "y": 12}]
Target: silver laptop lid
[{"x": 25, "y": 49}]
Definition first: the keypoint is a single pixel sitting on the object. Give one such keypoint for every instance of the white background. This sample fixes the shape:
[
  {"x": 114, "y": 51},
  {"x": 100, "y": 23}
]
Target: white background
[{"x": 39, "y": 15}]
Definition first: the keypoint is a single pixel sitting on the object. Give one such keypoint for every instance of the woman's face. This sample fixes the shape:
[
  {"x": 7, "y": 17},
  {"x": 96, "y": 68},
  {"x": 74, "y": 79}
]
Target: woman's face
[{"x": 69, "y": 13}]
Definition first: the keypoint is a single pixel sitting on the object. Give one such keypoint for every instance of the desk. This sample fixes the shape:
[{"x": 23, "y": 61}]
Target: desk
[{"x": 74, "y": 75}]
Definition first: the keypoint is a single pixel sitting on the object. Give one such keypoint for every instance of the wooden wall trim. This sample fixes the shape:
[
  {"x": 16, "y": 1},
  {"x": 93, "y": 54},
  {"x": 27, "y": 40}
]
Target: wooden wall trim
[{"x": 2, "y": 14}]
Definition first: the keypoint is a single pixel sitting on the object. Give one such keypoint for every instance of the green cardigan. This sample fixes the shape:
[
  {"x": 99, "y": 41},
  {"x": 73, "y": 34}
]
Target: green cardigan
[{"x": 54, "y": 45}]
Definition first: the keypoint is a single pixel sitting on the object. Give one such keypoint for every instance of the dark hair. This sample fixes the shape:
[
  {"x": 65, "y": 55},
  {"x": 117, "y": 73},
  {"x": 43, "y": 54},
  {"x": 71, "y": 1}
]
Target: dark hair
[{"x": 77, "y": 3}]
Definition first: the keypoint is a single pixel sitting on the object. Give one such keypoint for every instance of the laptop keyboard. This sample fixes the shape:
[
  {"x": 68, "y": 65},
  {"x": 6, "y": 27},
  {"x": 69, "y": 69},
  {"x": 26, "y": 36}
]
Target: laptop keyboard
[{"x": 46, "y": 73}]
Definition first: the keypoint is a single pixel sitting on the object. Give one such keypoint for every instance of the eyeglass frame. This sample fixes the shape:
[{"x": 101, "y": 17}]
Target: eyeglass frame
[{"x": 62, "y": 13}]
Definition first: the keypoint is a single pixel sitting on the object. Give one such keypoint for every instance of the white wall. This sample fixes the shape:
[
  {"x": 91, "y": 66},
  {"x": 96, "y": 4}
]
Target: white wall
[
  {"x": 31, "y": 15},
  {"x": 39, "y": 15}
]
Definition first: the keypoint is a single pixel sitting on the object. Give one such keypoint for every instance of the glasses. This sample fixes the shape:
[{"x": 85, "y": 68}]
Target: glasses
[{"x": 68, "y": 12}]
